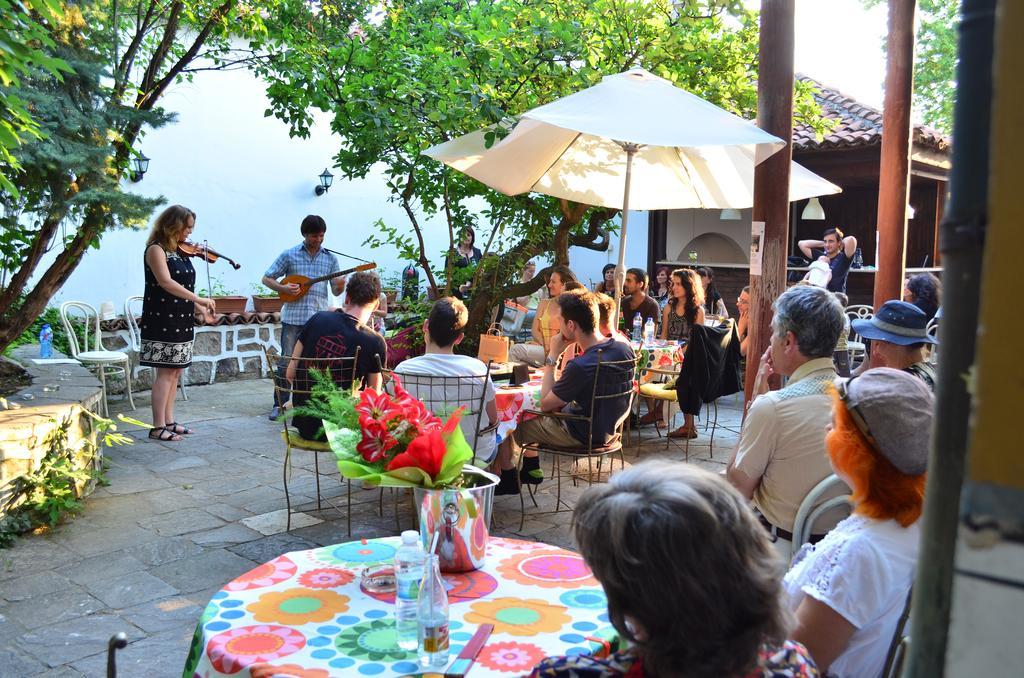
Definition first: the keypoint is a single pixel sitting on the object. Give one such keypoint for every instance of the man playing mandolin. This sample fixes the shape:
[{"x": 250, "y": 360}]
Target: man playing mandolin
[{"x": 310, "y": 260}]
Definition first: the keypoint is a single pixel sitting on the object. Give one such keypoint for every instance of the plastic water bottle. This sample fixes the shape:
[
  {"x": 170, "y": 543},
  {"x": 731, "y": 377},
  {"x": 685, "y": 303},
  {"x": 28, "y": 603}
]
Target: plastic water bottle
[
  {"x": 46, "y": 342},
  {"x": 649, "y": 331},
  {"x": 433, "y": 617},
  {"x": 637, "y": 327},
  {"x": 408, "y": 575}
]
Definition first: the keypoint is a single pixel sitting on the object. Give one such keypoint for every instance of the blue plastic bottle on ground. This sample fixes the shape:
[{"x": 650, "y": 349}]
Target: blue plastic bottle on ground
[
  {"x": 408, "y": 574},
  {"x": 637, "y": 327},
  {"x": 433, "y": 617},
  {"x": 46, "y": 341}
]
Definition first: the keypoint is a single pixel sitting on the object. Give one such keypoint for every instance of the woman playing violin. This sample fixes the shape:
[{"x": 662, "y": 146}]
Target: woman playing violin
[{"x": 167, "y": 321}]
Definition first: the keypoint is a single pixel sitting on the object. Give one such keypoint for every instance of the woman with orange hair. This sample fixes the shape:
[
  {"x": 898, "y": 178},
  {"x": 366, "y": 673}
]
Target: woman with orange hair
[{"x": 849, "y": 590}]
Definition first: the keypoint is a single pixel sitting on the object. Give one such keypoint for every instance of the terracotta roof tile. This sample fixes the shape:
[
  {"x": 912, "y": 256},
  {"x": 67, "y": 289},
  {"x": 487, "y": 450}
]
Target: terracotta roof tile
[{"x": 859, "y": 125}]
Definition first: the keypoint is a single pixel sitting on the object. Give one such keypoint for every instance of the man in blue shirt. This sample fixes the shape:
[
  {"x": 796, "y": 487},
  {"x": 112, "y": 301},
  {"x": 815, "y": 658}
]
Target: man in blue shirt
[
  {"x": 839, "y": 251},
  {"x": 309, "y": 259}
]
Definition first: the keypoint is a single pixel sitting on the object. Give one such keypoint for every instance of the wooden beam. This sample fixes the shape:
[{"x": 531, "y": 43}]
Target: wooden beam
[
  {"x": 771, "y": 177},
  {"x": 894, "y": 173}
]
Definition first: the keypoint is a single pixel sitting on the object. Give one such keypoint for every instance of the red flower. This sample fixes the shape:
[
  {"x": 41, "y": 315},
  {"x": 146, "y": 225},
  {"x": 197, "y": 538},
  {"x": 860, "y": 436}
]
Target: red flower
[
  {"x": 425, "y": 452},
  {"x": 373, "y": 448},
  {"x": 375, "y": 405}
]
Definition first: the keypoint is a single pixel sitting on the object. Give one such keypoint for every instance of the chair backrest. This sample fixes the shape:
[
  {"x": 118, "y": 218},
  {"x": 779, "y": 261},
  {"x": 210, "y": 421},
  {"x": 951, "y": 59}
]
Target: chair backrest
[
  {"x": 78, "y": 316},
  {"x": 858, "y": 312},
  {"x": 614, "y": 389},
  {"x": 932, "y": 330},
  {"x": 442, "y": 395},
  {"x": 343, "y": 370},
  {"x": 812, "y": 507},
  {"x": 131, "y": 322},
  {"x": 900, "y": 642}
]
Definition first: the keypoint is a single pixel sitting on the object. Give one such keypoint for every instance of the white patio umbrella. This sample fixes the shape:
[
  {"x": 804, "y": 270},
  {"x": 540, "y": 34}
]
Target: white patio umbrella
[{"x": 634, "y": 140}]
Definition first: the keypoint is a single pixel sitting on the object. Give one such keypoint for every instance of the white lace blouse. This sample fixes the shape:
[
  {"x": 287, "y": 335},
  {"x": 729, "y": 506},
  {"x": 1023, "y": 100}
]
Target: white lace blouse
[{"x": 862, "y": 569}]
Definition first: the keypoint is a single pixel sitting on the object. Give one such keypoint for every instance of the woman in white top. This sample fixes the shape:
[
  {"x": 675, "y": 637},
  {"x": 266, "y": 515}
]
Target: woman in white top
[{"x": 849, "y": 590}]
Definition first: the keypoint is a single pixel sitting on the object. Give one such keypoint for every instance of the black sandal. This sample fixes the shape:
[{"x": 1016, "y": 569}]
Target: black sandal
[
  {"x": 164, "y": 434},
  {"x": 180, "y": 429}
]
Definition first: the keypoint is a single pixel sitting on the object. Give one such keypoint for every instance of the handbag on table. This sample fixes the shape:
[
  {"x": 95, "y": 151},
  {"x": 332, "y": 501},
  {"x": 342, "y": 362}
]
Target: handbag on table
[{"x": 493, "y": 345}]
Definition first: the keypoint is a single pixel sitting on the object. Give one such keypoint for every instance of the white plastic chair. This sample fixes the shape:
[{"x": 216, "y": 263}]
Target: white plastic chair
[
  {"x": 855, "y": 345},
  {"x": 94, "y": 355},
  {"x": 135, "y": 335},
  {"x": 808, "y": 512}
]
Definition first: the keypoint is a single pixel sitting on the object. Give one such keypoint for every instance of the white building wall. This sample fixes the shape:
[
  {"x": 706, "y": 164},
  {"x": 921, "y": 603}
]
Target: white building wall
[
  {"x": 250, "y": 185},
  {"x": 684, "y": 226}
]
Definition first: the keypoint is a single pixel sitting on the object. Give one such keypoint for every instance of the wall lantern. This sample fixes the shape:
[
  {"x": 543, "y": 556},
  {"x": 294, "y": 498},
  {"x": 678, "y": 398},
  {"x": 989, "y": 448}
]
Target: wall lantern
[
  {"x": 140, "y": 165},
  {"x": 910, "y": 211},
  {"x": 813, "y": 211},
  {"x": 729, "y": 214},
  {"x": 326, "y": 179}
]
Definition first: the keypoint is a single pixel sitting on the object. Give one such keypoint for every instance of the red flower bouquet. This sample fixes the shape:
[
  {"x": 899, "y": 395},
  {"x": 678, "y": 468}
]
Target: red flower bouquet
[{"x": 395, "y": 441}]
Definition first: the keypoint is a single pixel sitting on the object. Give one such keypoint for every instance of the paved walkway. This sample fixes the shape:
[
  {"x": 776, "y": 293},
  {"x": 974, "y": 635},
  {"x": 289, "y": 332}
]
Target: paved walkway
[{"x": 179, "y": 520}]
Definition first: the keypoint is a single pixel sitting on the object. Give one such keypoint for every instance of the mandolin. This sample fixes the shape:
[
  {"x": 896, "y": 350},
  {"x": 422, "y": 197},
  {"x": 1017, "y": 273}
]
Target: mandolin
[{"x": 305, "y": 283}]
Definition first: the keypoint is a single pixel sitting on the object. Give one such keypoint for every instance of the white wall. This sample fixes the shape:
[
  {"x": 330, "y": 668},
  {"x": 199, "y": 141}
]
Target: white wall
[
  {"x": 250, "y": 185},
  {"x": 685, "y": 225}
]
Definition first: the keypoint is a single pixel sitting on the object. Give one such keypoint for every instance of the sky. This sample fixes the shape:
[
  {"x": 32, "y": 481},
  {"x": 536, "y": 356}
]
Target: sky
[{"x": 839, "y": 43}]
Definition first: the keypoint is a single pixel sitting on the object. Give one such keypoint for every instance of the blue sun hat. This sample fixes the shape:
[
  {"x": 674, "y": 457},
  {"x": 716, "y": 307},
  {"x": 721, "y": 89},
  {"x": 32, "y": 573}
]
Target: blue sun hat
[{"x": 897, "y": 322}]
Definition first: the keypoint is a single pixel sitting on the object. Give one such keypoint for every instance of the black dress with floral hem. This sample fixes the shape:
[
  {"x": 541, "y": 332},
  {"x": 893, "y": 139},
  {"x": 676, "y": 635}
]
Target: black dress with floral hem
[{"x": 168, "y": 322}]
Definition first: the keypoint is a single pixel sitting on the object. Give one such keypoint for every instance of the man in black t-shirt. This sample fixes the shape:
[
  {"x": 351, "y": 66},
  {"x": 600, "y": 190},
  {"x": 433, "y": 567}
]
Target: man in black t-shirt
[
  {"x": 636, "y": 300},
  {"x": 572, "y": 392},
  {"x": 839, "y": 251},
  {"x": 337, "y": 334}
]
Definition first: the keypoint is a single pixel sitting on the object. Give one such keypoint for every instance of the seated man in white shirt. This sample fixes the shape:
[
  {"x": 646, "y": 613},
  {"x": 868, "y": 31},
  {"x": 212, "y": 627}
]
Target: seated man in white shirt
[
  {"x": 781, "y": 452},
  {"x": 442, "y": 331}
]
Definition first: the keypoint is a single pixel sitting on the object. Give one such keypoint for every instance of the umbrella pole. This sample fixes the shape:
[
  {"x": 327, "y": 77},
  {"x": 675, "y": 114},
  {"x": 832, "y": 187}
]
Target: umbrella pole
[{"x": 630, "y": 150}]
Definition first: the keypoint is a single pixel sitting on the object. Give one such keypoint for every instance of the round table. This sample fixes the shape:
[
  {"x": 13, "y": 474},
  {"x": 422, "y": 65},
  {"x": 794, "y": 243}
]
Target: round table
[
  {"x": 305, "y": 615},
  {"x": 661, "y": 355},
  {"x": 512, "y": 400}
]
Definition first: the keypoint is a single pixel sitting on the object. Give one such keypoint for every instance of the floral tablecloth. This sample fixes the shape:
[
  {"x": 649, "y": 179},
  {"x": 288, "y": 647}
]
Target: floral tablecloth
[
  {"x": 512, "y": 400},
  {"x": 660, "y": 355},
  {"x": 304, "y": 615}
]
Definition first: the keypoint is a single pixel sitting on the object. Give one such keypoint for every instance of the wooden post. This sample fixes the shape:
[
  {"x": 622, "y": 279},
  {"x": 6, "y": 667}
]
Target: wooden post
[
  {"x": 894, "y": 173},
  {"x": 771, "y": 177}
]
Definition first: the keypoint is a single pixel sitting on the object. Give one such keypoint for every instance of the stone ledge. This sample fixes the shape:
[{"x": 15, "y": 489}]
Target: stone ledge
[{"x": 25, "y": 423}]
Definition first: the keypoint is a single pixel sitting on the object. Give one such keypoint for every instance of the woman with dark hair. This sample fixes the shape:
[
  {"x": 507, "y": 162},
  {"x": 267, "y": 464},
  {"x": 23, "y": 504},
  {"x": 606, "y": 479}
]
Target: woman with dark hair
[
  {"x": 680, "y": 315},
  {"x": 607, "y": 284},
  {"x": 849, "y": 590},
  {"x": 466, "y": 252},
  {"x": 924, "y": 290},
  {"x": 168, "y": 306},
  {"x": 662, "y": 284},
  {"x": 546, "y": 321},
  {"x": 653, "y": 536},
  {"x": 685, "y": 308},
  {"x": 713, "y": 302}
]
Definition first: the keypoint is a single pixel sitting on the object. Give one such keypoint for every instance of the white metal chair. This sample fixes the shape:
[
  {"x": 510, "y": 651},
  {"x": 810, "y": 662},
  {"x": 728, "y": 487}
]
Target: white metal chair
[
  {"x": 79, "y": 316},
  {"x": 854, "y": 343},
  {"x": 932, "y": 330},
  {"x": 135, "y": 335},
  {"x": 810, "y": 510}
]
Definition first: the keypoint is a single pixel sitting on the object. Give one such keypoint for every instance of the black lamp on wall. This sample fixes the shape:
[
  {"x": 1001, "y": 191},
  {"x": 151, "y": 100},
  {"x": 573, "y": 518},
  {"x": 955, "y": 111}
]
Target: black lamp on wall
[
  {"x": 326, "y": 179},
  {"x": 140, "y": 165}
]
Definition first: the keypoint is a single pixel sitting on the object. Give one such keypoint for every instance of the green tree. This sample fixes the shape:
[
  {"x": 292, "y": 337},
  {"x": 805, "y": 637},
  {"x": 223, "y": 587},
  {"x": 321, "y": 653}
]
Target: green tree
[
  {"x": 417, "y": 72},
  {"x": 126, "y": 56},
  {"x": 935, "y": 59},
  {"x": 23, "y": 39}
]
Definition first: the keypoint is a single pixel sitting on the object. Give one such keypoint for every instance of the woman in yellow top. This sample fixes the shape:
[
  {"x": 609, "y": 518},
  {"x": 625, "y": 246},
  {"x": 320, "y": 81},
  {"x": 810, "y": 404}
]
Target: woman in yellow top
[{"x": 545, "y": 325}]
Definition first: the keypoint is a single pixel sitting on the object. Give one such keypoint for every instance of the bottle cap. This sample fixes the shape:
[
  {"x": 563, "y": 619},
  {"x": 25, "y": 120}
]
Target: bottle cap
[{"x": 410, "y": 537}]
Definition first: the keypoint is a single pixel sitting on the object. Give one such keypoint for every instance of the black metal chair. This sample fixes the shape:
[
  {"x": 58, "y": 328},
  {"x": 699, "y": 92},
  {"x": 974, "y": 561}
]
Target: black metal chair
[
  {"x": 343, "y": 371},
  {"x": 442, "y": 395},
  {"x": 621, "y": 386},
  {"x": 118, "y": 641}
]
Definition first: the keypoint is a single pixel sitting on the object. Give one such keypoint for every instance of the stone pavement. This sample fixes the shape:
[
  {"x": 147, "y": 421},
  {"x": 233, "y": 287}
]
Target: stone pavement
[{"x": 179, "y": 520}]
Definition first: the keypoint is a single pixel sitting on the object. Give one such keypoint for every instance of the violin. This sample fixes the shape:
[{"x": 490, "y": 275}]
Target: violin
[{"x": 207, "y": 254}]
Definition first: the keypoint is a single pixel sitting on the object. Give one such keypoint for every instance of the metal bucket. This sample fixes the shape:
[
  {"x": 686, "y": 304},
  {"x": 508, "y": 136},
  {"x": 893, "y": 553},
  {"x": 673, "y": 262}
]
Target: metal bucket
[{"x": 462, "y": 519}]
